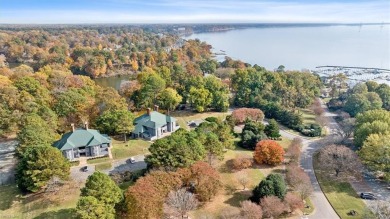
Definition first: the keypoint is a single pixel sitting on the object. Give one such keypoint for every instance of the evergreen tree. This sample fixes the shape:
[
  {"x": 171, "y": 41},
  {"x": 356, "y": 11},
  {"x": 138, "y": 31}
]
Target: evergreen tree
[{"x": 272, "y": 129}]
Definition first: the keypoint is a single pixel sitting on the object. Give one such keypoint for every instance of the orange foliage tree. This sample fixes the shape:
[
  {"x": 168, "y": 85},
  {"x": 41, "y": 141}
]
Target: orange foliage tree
[{"x": 268, "y": 152}]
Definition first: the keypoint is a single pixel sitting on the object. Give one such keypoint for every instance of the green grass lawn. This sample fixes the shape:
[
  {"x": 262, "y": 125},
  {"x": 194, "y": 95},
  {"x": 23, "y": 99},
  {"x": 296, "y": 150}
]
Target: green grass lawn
[
  {"x": 98, "y": 160},
  {"x": 132, "y": 147},
  {"x": 103, "y": 166},
  {"x": 13, "y": 204},
  {"x": 311, "y": 206},
  {"x": 185, "y": 116},
  {"x": 341, "y": 195},
  {"x": 308, "y": 116}
]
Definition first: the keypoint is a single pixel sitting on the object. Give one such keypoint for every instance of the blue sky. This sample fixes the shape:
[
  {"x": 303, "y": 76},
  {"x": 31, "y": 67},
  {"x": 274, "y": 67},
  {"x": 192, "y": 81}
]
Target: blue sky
[{"x": 193, "y": 11}]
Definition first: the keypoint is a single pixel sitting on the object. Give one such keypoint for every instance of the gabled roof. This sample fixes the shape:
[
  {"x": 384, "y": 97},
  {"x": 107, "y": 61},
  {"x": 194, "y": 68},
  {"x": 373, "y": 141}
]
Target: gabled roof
[
  {"x": 152, "y": 120},
  {"x": 81, "y": 138}
]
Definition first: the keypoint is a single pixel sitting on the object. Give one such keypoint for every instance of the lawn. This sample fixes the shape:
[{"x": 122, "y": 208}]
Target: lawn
[
  {"x": 226, "y": 200},
  {"x": 103, "y": 166},
  {"x": 185, "y": 116},
  {"x": 308, "y": 116},
  {"x": 60, "y": 204},
  {"x": 340, "y": 194},
  {"x": 98, "y": 160},
  {"x": 121, "y": 150}
]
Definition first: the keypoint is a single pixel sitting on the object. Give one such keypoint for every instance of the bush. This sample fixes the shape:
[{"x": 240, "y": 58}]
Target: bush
[
  {"x": 242, "y": 114},
  {"x": 252, "y": 133},
  {"x": 240, "y": 163},
  {"x": 212, "y": 119},
  {"x": 273, "y": 185},
  {"x": 273, "y": 207},
  {"x": 312, "y": 130}
]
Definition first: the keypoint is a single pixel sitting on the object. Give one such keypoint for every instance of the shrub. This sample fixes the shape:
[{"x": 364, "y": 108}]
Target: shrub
[
  {"x": 273, "y": 207},
  {"x": 273, "y": 185},
  {"x": 240, "y": 163},
  {"x": 250, "y": 210}
]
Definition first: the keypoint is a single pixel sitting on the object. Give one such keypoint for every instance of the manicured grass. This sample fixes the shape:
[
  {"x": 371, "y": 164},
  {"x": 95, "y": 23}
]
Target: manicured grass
[
  {"x": 60, "y": 204},
  {"x": 185, "y": 116},
  {"x": 98, "y": 160},
  {"x": 121, "y": 150},
  {"x": 285, "y": 142},
  {"x": 340, "y": 194},
  {"x": 308, "y": 116},
  {"x": 103, "y": 166},
  {"x": 311, "y": 207}
]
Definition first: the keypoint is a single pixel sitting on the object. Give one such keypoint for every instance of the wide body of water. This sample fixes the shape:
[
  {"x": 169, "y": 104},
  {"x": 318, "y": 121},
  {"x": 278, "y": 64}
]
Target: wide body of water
[{"x": 300, "y": 48}]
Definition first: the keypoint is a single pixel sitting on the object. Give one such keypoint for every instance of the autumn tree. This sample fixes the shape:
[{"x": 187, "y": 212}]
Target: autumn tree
[
  {"x": 240, "y": 115},
  {"x": 241, "y": 162},
  {"x": 268, "y": 152},
  {"x": 179, "y": 203},
  {"x": 298, "y": 179},
  {"x": 339, "y": 159},
  {"x": 293, "y": 201},
  {"x": 250, "y": 210},
  {"x": 273, "y": 207},
  {"x": 294, "y": 150},
  {"x": 116, "y": 122},
  {"x": 37, "y": 165}
]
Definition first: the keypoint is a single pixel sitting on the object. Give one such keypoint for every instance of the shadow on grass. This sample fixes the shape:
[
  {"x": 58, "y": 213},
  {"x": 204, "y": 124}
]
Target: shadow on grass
[
  {"x": 238, "y": 197},
  {"x": 68, "y": 213},
  {"x": 8, "y": 194},
  {"x": 280, "y": 171}
]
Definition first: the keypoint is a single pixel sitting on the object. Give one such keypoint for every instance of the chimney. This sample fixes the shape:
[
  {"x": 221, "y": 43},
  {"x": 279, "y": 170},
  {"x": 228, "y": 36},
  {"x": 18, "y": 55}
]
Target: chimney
[
  {"x": 148, "y": 110},
  {"x": 72, "y": 125},
  {"x": 86, "y": 125},
  {"x": 156, "y": 108}
]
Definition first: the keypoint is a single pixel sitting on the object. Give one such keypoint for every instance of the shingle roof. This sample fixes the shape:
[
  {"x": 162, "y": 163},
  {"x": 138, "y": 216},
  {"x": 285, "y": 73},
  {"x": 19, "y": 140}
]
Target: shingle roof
[
  {"x": 153, "y": 120},
  {"x": 81, "y": 138}
]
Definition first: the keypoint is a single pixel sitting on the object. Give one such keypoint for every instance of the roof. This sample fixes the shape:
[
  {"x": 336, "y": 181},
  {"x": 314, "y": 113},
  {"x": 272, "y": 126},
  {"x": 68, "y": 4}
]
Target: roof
[
  {"x": 81, "y": 138},
  {"x": 152, "y": 120}
]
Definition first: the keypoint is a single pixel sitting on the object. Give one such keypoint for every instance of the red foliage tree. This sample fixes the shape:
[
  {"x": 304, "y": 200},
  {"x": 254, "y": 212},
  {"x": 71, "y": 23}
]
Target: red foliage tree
[
  {"x": 294, "y": 150},
  {"x": 293, "y": 201},
  {"x": 298, "y": 179},
  {"x": 240, "y": 115},
  {"x": 268, "y": 152},
  {"x": 240, "y": 163}
]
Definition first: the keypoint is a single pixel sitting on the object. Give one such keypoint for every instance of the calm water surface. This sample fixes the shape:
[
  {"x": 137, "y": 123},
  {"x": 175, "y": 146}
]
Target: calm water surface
[{"x": 300, "y": 48}]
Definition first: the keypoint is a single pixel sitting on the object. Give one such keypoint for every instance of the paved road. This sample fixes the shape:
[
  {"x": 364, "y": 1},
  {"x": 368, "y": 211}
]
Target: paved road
[
  {"x": 323, "y": 209},
  {"x": 117, "y": 166}
]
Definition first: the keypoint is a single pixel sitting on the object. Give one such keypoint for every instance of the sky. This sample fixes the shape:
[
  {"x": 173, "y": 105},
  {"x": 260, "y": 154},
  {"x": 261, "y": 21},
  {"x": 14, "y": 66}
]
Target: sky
[{"x": 193, "y": 11}]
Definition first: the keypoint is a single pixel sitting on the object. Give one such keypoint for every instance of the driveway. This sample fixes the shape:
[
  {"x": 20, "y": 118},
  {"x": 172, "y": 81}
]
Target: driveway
[{"x": 117, "y": 167}]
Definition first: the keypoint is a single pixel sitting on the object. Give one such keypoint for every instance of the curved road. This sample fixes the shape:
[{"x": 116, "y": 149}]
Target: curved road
[{"x": 323, "y": 209}]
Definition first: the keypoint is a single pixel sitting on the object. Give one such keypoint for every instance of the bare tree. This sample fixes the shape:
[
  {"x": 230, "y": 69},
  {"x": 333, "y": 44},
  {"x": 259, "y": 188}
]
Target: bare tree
[
  {"x": 272, "y": 206},
  {"x": 179, "y": 203},
  {"x": 294, "y": 150},
  {"x": 243, "y": 180},
  {"x": 347, "y": 127},
  {"x": 229, "y": 213},
  {"x": 299, "y": 181},
  {"x": 293, "y": 201},
  {"x": 340, "y": 159},
  {"x": 380, "y": 209},
  {"x": 250, "y": 210}
]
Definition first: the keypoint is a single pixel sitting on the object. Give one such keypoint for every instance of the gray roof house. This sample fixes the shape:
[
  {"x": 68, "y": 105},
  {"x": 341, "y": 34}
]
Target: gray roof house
[
  {"x": 83, "y": 143},
  {"x": 153, "y": 125}
]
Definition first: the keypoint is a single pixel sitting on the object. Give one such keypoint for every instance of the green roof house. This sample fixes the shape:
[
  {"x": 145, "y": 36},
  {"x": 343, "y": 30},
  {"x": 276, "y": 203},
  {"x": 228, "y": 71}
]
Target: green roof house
[
  {"x": 83, "y": 143},
  {"x": 154, "y": 125}
]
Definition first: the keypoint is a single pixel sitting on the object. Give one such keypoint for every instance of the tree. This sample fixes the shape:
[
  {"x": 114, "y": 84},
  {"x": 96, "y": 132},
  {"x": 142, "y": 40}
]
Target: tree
[
  {"x": 214, "y": 148},
  {"x": 35, "y": 131},
  {"x": 268, "y": 152},
  {"x": 366, "y": 129},
  {"x": 240, "y": 115},
  {"x": 251, "y": 134},
  {"x": 200, "y": 98},
  {"x": 272, "y": 206},
  {"x": 380, "y": 209},
  {"x": 273, "y": 185},
  {"x": 241, "y": 162},
  {"x": 250, "y": 210},
  {"x": 90, "y": 208},
  {"x": 298, "y": 179},
  {"x": 219, "y": 93},
  {"x": 375, "y": 153},
  {"x": 293, "y": 201},
  {"x": 179, "y": 203},
  {"x": 181, "y": 149},
  {"x": 272, "y": 129},
  {"x": 208, "y": 66},
  {"x": 361, "y": 102},
  {"x": 169, "y": 99},
  {"x": 280, "y": 68},
  {"x": 116, "y": 122},
  {"x": 151, "y": 85},
  {"x": 294, "y": 150},
  {"x": 339, "y": 159},
  {"x": 37, "y": 165},
  {"x": 383, "y": 91},
  {"x": 243, "y": 180},
  {"x": 101, "y": 186}
]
